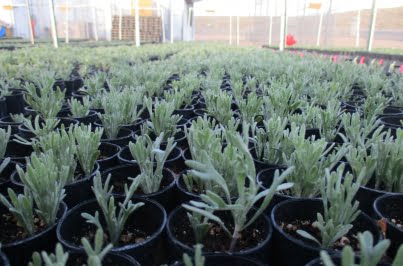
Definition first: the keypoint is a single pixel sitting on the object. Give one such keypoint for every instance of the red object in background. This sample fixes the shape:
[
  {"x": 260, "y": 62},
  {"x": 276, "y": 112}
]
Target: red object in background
[
  {"x": 362, "y": 60},
  {"x": 33, "y": 26},
  {"x": 334, "y": 58},
  {"x": 290, "y": 41},
  {"x": 401, "y": 68},
  {"x": 381, "y": 61},
  {"x": 301, "y": 54}
]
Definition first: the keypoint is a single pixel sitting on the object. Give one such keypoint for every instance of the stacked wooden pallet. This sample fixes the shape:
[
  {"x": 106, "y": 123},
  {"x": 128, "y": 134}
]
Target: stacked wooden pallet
[{"x": 150, "y": 28}]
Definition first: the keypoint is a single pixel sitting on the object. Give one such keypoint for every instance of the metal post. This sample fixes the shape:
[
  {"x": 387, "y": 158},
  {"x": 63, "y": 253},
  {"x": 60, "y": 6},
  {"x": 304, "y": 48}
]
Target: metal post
[
  {"x": 372, "y": 26},
  {"x": 31, "y": 30},
  {"x": 53, "y": 23},
  {"x": 163, "y": 24},
  {"x": 120, "y": 21},
  {"x": 329, "y": 13},
  {"x": 270, "y": 26},
  {"x": 94, "y": 22},
  {"x": 137, "y": 22},
  {"x": 230, "y": 29},
  {"x": 319, "y": 29},
  {"x": 357, "y": 37},
  {"x": 172, "y": 20},
  {"x": 237, "y": 30},
  {"x": 282, "y": 27},
  {"x": 67, "y": 22}
]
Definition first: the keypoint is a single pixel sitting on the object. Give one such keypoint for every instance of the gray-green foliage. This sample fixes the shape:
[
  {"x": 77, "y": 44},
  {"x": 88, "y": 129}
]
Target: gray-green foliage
[
  {"x": 97, "y": 253},
  {"x": 310, "y": 158},
  {"x": 39, "y": 129},
  {"x": 131, "y": 98},
  {"x": 370, "y": 254},
  {"x": 59, "y": 258},
  {"x": 162, "y": 119},
  {"x": 88, "y": 142},
  {"x": 218, "y": 105},
  {"x": 250, "y": 107},
  {"x": 4, "y": 138},
  {"x": 198, "y": 259},
  {"x": 247, "y": 195},
  {"x": 113, "y": 117},
  {"x": 150, "y": 157},
  {"x": 269, "y": 140},
  {"x": 94, "y": 84},
  {"x": 115, "y": 216},
  {"x": 7, "y": 85},
  {"x": 339, "y": 207},
  {"x": 80, "y": 108},
  {"x": 45, "y": 100}
]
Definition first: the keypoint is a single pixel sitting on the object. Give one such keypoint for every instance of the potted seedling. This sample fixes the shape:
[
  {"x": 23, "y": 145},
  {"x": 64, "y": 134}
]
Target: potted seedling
[
  {"x": 80, "y": 110},
  {"x": 231, "y": 216},
  {"x": 13, "y": 97},
  {"x": 133, "y": 225},
  {"x": 297, "y": 228},
  {"x": 31, "y": 217}
]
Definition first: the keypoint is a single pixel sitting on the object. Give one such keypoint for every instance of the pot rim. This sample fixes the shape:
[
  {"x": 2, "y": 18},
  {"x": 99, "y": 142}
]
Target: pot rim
[{"x": 379, "y": 212}]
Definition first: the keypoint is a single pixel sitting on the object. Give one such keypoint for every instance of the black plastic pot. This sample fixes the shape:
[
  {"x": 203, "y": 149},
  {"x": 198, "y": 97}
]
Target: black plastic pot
[
  {"x": 150, "y": 219},
  {"x": 69, "y": 84},
  {"x": 305, "y": 251},
  {"x": 392, "y": 111},
  {"x": 178, "y": 218},
  {"x": 20, "y": 252},
  {"x": 179, "y": 138},
  {"x": 25, "y": 133},
  {"x": 367, "y": 195},
  {"x": 259, "y": 165},
  {"x": 5, "y": 180},
  {"x": 184, "y": 195},
  {"x": 112, "y": 258},
  {"x": 3, "y": 107},
  {"x": 18, "y": 152},
  {"x": 124, "y": 137},
  {"x": 135, "y": 126},
  {"x": 392, "y": 121},
  {"x": 186, "y": 112},
  {"x": 7, "y": 121},
  {"x": 227, "y": 260},
  {"x": 76, "y": 192},
  {"x": 166, "y": 196},
  {"x": 391, "y": 207},
  {"x": 174, "y": 161},
  {"x": 182, "y": 124},
  {"x": 3, "y": 260},
  {"x": 59, "y": 83},
  {"x": 108, "y": 157},
  {"x": 15, "y": 102},
  {"x": 86, "y": 120}
]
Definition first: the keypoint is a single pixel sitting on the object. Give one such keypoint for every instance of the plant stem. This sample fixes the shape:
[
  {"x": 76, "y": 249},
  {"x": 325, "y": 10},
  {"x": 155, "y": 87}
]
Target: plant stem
[{"x": 234, "y": 239}]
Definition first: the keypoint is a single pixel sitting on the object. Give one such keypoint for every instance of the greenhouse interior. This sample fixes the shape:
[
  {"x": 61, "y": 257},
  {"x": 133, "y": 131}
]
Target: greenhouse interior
[{"x": 201, "y": 132}]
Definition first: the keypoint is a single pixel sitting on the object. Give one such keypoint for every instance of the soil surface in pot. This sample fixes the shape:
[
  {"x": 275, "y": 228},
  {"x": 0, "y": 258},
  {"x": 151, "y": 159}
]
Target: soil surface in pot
[
  {"x": 308, "y": 226},
  {"x": 130, "y": 235},
  {"x": 119, "y": 183},
  {"x": 12, "y": 232},
  {"x": 394, "y": 215},
  {"x": 216, "y": 239}
]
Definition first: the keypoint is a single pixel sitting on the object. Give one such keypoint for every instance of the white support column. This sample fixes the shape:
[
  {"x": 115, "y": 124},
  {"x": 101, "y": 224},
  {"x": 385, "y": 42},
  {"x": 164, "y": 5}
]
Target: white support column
[
  {"x": 67, "y": 22},
  {"x": 172, "y": 21},
  {"x": 283, "y": 27},
  {"x": 108, "y": 20},
  {"x": 237, "y": 30},
  {"x": 53, "y": 23},
  {"x": 94, "y": 22},
  {"x": 270, "y": 28},
  {"x": 230, "y": 29},
  {"x": 163, "y": 24},
  {"x": 31, "y": 30},
  {"x": 357, "y": 36},
  {"x": 319, "y": 28},
  {"x": 372, "y": 26},
  {"x": 137, "y": 22},
  {"x": 120, "y": 21}
]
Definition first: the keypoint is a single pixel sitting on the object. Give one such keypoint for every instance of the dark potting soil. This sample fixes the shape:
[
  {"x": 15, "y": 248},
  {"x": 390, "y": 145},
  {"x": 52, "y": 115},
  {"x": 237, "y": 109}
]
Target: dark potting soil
[
  {"x": 4, "y": 179},
  {"x": 11, "y": 231},
  {"x": 216, "y": 239},
  {"x": 119, "y": 185},
  {"x": 307, "y": 226},
  {"x": 130, "y": 235},
  {"x": 79, "y": 260},
  {"x": 394, "y": 215}
]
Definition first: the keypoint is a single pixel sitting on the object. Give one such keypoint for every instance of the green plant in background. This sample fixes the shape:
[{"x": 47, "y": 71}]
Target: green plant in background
[
  {"x": 370, "y": 254},
  {"x": 176, "y": 96},
  {"x": 131, "y": 101},
  {"x": 151, "y": 158},
  {"x": 198, "y": 259},
  {"x": 329, "y": 119},
  {"x": 45, "y": 100},
  {"x": 374, "y": 105},
  {"x": 250, "y": 107},
  {"x": 97, "y": 253},
  {"x": 94, "y": 84},
  {"x": 339, "y": 207},
  {"x": 39, "y": 129},
  {"x": 4, "y": 138},
  {"x": 268, "y": 140},
  {"x": 88, "y": 142},
  {"x": 80, "y": 108},
  {"x": 59, "y": 258},
  {"x": 162, "y": 119},
  {"x": 248, "y": 195},
  {"x": 7, "y": 85},
  {"x": 218, "y": 104},
  {"x": 18, "y": 118},
  {"x": 115, "y": 218},
  {"x": 310, "y": 158},
  {"x": 113, "y": 116}
]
